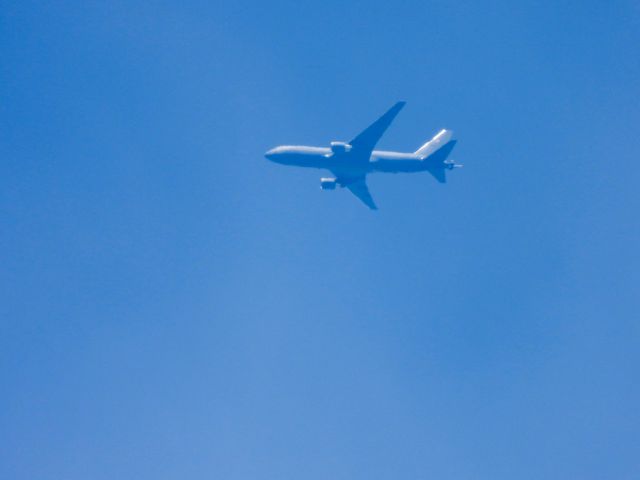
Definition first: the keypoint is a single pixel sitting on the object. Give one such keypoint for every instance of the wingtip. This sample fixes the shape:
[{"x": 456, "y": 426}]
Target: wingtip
[{"x": 396, "y": 108}]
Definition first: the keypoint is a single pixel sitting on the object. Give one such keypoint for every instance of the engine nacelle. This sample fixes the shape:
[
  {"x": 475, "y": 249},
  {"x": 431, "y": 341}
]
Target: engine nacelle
[
  {"x": 328, "y": 183},
  {"x": 340, "y": 147}
]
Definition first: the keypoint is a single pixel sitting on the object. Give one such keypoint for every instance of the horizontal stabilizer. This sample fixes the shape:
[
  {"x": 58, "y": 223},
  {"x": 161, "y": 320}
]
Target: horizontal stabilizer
[
  {"x": 438, "y": 174},
  {"x": 439, "y": 157},
  {"x": 437, "y": 163}
]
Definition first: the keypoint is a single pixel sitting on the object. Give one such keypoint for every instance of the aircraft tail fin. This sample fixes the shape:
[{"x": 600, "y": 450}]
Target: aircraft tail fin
[
  {"x": 437, "y": 163},
  {"x": 440, "y": 139}
]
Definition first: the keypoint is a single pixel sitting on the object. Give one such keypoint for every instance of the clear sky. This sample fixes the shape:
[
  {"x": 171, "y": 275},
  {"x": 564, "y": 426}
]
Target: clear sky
[{"x": 172, "y": 305}]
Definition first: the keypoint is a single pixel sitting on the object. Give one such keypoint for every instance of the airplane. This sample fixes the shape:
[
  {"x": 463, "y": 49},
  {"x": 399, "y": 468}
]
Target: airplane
[{"x": 351, "y": 162}]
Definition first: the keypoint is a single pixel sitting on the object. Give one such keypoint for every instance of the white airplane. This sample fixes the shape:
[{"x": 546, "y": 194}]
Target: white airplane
[{"x": 351, "y": 162}]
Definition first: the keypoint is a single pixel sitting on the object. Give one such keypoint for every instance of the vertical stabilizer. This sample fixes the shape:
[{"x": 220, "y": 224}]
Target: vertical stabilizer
[
  {"x": 441, "y": 138},
  {"x": 436, "y": 162}
]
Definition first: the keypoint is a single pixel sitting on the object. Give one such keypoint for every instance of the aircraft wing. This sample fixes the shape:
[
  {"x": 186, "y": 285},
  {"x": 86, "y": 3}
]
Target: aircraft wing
[
  {"x": 365, "y": 142},
  {"x": 358, "y": 187}
]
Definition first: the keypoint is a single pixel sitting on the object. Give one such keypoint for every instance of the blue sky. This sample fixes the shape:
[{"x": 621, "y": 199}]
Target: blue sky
[{"x": 172, "y": 305}]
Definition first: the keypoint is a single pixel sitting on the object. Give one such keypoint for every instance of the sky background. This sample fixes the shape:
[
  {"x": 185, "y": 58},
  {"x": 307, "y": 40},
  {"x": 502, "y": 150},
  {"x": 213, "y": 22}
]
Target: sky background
[{"x": 172, "y": 305}]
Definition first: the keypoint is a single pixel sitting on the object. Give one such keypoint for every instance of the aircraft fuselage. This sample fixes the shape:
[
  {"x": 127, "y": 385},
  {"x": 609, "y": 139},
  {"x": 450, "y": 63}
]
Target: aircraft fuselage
[{"x": 325, "y": 158}]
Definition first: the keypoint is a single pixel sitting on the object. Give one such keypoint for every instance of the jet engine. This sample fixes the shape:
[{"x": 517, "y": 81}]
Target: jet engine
[
  {"x": 328, "y": 183},
  {"x": 340, "y": 147}
]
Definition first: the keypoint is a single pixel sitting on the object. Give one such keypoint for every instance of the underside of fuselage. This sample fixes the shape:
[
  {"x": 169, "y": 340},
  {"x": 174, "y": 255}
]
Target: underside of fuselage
[{"x": 346, "y": 163}]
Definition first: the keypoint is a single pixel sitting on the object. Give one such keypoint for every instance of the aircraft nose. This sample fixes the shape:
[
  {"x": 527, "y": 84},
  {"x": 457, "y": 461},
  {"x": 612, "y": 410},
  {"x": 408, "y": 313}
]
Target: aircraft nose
[{"x": 270, "y": 154}]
